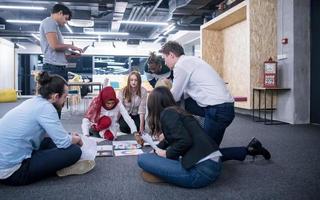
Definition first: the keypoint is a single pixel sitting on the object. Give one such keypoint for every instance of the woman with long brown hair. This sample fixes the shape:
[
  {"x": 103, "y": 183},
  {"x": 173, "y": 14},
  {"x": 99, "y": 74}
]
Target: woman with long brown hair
[
  {"x": 133, "y": 96},
  {"x": 187, "y": 156}
]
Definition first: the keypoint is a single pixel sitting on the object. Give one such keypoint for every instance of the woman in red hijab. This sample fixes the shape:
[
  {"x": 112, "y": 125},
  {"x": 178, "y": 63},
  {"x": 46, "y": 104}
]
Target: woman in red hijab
[{"x": 102, "y": 116}]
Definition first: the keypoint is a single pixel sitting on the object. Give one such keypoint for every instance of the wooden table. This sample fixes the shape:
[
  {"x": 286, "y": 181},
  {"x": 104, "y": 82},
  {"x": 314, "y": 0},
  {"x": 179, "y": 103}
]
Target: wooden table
[{"x": 272, "y": 91}]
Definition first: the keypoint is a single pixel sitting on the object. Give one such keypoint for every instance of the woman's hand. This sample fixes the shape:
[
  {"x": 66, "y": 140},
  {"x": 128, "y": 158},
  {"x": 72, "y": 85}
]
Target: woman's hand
[
  {"x": 161, "y": 152},
  {"x": 161, "y": 137},
  {"x": 138, "y": 138}
]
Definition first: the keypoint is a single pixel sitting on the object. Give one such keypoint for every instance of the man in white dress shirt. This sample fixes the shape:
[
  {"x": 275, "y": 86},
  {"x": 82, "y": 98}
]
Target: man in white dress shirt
[{"x": 204, "y": 92}]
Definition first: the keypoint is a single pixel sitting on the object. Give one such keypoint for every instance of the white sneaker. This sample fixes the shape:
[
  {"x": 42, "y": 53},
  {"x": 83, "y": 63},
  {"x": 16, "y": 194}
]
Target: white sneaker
[{"x": 80, "y": 167}]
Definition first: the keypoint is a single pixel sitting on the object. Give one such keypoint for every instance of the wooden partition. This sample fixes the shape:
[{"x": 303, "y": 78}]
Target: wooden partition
[{"x": 237, "y": 42}]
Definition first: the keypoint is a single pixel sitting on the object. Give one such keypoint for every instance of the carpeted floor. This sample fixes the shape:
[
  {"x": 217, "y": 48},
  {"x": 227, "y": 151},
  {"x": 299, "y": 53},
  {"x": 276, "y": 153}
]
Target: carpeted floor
[{"x": 292, "y": 173}]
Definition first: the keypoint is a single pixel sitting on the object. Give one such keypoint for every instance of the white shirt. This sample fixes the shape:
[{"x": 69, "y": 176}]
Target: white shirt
[
  {"x": 137, "y": 104},
  {"x": 114, "y": 115},
  {"x": 197, "y": 79}
]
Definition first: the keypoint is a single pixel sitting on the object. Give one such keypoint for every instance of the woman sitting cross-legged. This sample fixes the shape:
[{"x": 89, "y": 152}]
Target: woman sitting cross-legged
[
  {"x": 101, "y": 119},
  {"x": 186, "y": 156},
  {"x": 134, "y": 97}
]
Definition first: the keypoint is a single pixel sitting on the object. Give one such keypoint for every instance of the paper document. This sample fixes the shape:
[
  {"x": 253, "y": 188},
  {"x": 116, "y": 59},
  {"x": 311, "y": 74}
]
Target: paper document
[
  {"x": 126, "y": 145},
  {"x": 89, "y": 148},
  {"x": 104, "y": 150},
  {"x": 147, "y": 138},
  {"x": 131, "y": 152}
]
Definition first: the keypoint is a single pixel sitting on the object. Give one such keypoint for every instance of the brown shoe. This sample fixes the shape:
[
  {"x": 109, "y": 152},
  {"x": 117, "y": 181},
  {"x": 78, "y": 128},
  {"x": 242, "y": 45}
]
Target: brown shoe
[
  {"x": 80, "y": 167},
  {"x": 150, "y": 178}
]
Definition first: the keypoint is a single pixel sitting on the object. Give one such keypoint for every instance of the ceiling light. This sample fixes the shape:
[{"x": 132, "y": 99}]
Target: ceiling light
[
  {"x": 79, "y": 37},
  {"x": 23, "y": 21},
  {"x": 145, "y": 23},
  {"x": 35, "y": 36},
  {"x": 22, "y": 7},
  {"x": 107, "y": 33},
  {"x": 68, "y": 27},
  {"x": 79, "y": 40},
  {"x": 21, "y": 46},
  {"x": 81, "y": 23}
]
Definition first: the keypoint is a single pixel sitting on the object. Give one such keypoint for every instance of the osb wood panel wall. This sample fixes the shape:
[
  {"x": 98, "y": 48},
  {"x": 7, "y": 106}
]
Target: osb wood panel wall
[
  {"x": 212, "y": 49},
  {"x": 236, "y": 61},
  {"x": 263, "y": 30}
]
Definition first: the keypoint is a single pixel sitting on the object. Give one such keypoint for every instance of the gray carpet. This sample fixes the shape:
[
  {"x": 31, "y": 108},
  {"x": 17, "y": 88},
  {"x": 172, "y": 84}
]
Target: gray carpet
[{"x": 292, "y": 173}]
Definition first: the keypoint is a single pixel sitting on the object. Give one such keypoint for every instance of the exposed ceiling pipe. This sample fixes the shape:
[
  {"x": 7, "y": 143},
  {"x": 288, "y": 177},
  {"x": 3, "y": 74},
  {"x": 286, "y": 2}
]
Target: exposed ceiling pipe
[
  {"x": 155, "y": 8},
  {"x": 133, "y": 11},
  {"x": 134, "y": 16},
  {"x": 143, "y": 17},
  {"x": 139, "y": 17}
]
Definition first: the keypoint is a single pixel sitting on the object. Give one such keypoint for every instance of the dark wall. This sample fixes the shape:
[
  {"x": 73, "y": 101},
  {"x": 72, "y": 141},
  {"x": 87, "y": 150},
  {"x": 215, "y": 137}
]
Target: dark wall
[{"x": 315, "y": 62}]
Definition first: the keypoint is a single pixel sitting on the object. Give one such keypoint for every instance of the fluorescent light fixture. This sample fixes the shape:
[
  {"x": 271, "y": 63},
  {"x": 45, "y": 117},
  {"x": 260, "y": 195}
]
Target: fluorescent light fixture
[
  {"x": 144, "y": 23},
  {"x": 35, "y": 36},
  {"x": 23, "y": 21},
  {"x": 68, "y": 27},
  {"x": 107, "y": 33},
  {"x": 22, "y": 7},
  {"x": 157, "y": 40},
  {"x": 81, "y": 23},
  {"x": 21, "y": 46},
  {"x": 79, "y": 40},
  {"x": 169, "y": 30},
  {"x": 79, "y": 37}
]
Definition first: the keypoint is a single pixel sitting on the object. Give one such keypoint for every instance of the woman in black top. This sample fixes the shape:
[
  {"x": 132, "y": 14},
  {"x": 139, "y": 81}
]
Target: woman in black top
[{"x": 186, "y": 157}]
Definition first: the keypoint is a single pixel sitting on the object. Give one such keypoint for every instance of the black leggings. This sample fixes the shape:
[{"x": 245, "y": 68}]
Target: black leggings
[{"x": 124, "y": 126}]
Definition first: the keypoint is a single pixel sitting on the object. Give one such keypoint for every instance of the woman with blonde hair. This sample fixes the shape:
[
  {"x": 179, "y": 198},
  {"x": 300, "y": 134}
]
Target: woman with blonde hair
[{"x": 134, "y": 97}]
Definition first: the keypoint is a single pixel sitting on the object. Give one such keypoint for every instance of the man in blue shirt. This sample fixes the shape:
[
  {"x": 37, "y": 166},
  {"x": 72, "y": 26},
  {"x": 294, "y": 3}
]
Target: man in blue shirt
[{"x": 33, "y": 142}]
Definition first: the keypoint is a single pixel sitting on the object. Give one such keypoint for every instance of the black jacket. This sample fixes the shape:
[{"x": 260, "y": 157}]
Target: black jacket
[{"x": 184, "y": 137}]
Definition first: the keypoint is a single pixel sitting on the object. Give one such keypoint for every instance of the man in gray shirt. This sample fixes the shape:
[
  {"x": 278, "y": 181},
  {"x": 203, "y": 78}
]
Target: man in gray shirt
[{"x": 51, "y": 41}]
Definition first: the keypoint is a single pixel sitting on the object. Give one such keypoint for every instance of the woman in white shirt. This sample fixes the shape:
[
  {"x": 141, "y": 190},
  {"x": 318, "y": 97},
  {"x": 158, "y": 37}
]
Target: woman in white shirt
[{"x": 134, "y": 97}]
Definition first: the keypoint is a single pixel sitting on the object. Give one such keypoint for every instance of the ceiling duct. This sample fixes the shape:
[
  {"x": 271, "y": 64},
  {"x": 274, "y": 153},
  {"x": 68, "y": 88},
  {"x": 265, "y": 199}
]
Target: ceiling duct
[{"x": 133, "y": 42}]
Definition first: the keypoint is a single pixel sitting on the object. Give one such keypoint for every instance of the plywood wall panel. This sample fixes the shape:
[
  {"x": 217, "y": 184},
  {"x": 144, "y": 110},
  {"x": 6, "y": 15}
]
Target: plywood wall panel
[
  {"x": 212, "y": 49},
  {"x": 236, "y": 60},
  {"x": 263, "y": 34}
]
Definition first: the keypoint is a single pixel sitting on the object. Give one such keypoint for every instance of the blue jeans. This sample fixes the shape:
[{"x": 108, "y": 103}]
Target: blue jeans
[
  {"x": 172, "y": 171},
  {"x": 56, "y": 69},
  {"x": 217, "y": 119},
  {"x": 44, "y": 163}
]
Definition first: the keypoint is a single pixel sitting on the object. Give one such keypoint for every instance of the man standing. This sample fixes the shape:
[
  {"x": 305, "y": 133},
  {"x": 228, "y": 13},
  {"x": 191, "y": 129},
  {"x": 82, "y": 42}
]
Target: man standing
[
  {"x": 204, "y": 91},
  {"x": 51, "y": 41}
]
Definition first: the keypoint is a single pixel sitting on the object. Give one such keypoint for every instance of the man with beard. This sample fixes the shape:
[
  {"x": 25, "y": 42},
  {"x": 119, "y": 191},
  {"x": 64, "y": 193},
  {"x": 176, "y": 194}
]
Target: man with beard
[{"x": 33, "y": 142}]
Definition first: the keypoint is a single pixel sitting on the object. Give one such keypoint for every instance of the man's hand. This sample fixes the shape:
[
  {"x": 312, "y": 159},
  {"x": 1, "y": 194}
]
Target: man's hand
[
  {"x": 161, "y": 152},
  {"x": 76, "y": 139}
]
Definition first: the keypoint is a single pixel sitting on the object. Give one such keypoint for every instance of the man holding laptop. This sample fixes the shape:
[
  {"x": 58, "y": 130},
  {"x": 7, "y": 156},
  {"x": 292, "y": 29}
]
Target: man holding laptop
[{"x": 51, "y": 41}]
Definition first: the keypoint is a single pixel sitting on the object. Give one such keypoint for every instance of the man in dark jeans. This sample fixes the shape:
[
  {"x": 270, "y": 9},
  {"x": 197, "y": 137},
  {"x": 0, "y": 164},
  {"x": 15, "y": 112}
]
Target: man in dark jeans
[
  {"x": 38, "y": 146},
  {"x": 52, "y": 45},
  {"x": 51, "y": 41},
  {"x": 202, "y": 88}
]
